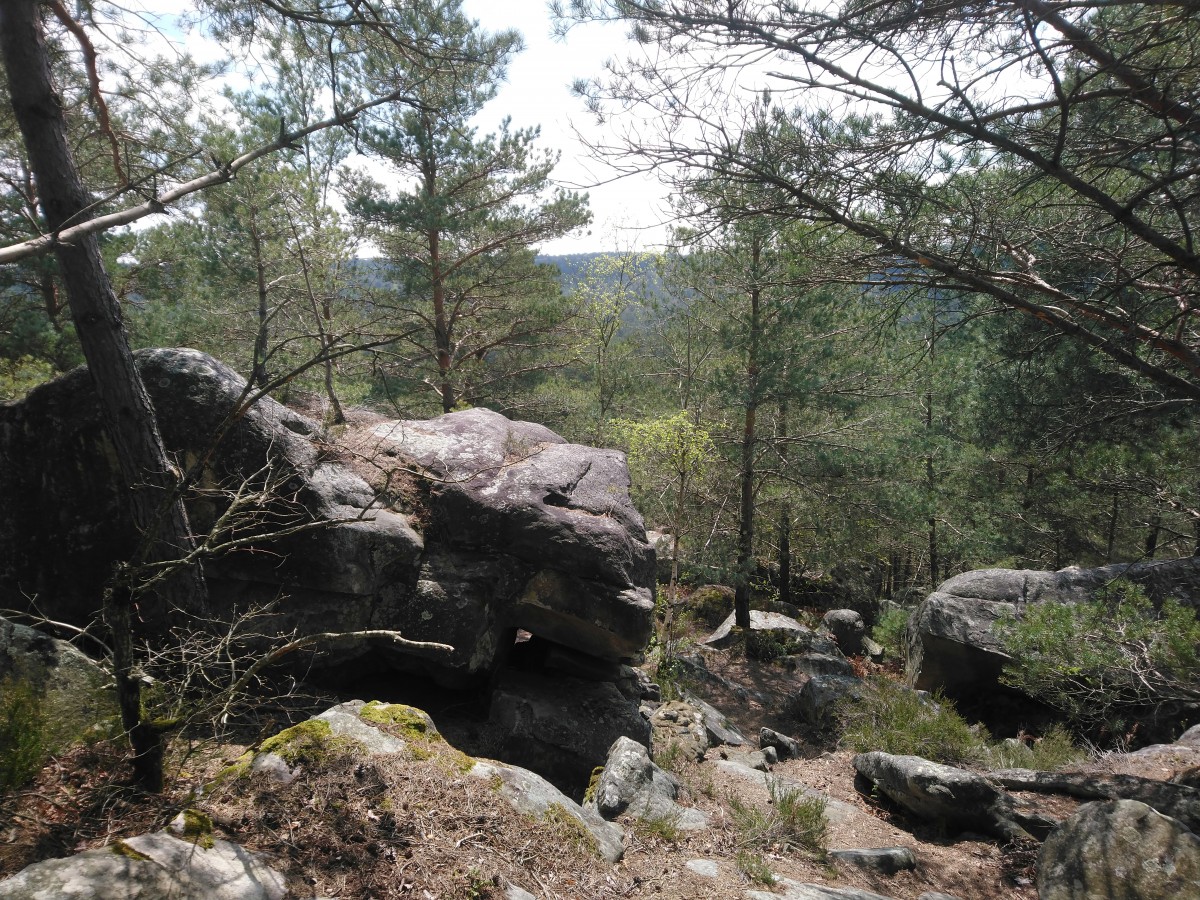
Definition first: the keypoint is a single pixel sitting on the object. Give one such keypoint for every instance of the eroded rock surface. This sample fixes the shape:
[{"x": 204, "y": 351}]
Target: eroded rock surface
[
  {"x": 953, "y": 642},
  {"x": 945, "y": 794},
  {"x": 472, "y": 528},
  {"x": 1120, "y": 850},
  {"x": 632, "y": 783},
  {"x": 150, "y": 865}
]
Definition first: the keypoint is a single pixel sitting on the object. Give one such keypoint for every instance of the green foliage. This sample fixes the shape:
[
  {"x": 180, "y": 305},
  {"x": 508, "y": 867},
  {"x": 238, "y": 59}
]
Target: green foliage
[
  {"x": 20, "y": 375},
  {"x": 710, "y": 605},
  {"x": 1051, "y": 751},
  {"x": 23, "y": 735},
  {"x": 658, "y": 828},
  {"x": 1099, "y": 660},
  {"x": 791, "y": 821},
  {"x": 889, "y": 632},
  {"x": 895, "y": 719},
  {"x": 754, "y": 867}
]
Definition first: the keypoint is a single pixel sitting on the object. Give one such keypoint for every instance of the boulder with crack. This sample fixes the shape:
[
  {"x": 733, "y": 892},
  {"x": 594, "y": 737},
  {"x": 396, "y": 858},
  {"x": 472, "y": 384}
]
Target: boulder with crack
[
  {"x": 507, "y": 526},
  {"x": 1119, "y": 850},
  {"x": 954, "y": 797}
]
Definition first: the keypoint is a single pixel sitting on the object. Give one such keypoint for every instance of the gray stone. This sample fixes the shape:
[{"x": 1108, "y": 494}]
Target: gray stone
[
  {"x": 757, "y": 760},
  {"x": 821, "y": 695},
  {"x": 817, "y": 664},
  {"x": 273, "y": 767},
  {"x": 770, "y": 754},
  {"x": 632, "y": 783},
  {"x": 937, "y": 895},
  {"x": 787, "y": 747},
  {"x": 952, "y": 640},
  {"x": 74, "y": 692},
  {"x": 514, "y": 891},
  {"x": 530, "y": 531},
  {"x": 682, "y": 724},
  {"x": 847, "y": 628},
  {"x": 1119, "y": 850},
  {"x": 800, "y": 638},
  {"x": 149, "y": 867},
  {"x": 795, "y": 890},
  {"x": 885, "y": 860},
  {"x": 720, "y": 729},
  {"x": 562, "y": 727},
  {"x": 1169, "y": 798},
  {"x": 534, "y": 796},
  {"x": 705, "y": 868},
  {"x": 345, "y": 720},
  {"x": 520, "y": 487},
  {"x": 954, "y": 797}
]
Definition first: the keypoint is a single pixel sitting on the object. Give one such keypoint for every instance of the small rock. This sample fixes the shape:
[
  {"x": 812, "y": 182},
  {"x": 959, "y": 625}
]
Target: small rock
[
  {"x": 150, "y": 865},
  {"x": 960, "y": 799},
  {"x": 937, "y": 895},
  {"x": 681, "y": 724},
  {"x": 885, "y": 860},
  {"x": 770, "y": 754},
  {"x": 795, "y": 890},
  {"x": 787, "y": 747},
  {"x": 630, "y": 782},
  {"x": 532, "y": 795},
  {"x": 705, "y": 868},
  {"x": 847, "y": 628},
  {"x": 757, "y": 761},
  {"x": 821, "y": 694}
]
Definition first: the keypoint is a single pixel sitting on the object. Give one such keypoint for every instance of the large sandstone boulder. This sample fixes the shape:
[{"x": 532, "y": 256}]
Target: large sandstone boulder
[
  {"x": 1121, "y": 850},
  {"x": 561, "y": 727},
  {"x": 150, "y": 865},
  {"x": 631, "y": 783},
  {"x": 953, "y": 643},
  {"x": 74, "y": 692},
  {"x": 507, "y": 526},
  {"x": 953, "y": 797}
]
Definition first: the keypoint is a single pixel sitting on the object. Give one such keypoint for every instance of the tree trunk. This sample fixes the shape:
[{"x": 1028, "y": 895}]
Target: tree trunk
[
  {"x": 1155, "y": 527},
  {"x": 785, "y": 515},
  {"x": 128, "y": 417},
  {"x": 263, "y": 335},
  {"x": 745, "y": 558}
]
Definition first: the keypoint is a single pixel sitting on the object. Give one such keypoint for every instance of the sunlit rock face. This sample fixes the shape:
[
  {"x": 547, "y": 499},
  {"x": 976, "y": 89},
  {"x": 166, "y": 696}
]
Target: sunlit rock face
[{"x": 500, "y": 525}]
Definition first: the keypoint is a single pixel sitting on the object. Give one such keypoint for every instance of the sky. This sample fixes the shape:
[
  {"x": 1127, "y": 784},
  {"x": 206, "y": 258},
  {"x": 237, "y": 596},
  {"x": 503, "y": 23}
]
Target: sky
[{"x": 627, "y": 213}]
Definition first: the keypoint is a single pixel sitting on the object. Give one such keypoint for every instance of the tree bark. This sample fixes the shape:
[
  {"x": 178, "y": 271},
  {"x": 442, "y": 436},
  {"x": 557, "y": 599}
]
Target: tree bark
[
  {"x": 745, "y": 558},
  {"x": 150, "y": 479}
]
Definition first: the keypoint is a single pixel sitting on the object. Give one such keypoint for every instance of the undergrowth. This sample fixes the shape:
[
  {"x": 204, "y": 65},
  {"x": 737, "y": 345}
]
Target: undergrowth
[
  {"x": 792, "y": 821},
  {"x": 23, "y": 734},
  {"x": 891, "y": 717}
]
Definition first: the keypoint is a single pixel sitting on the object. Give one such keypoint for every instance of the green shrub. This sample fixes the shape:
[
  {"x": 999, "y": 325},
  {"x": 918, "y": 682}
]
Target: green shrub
[
  {"x": 754, "y": 867},
  {"x": 1098, "y": 661},
  {"x": 23, "y": 734},
  {"x": 889, "y": 632},
  {"x": 710, "y": 604},
  {"x": 895, "y": 719},
  {"x": 792, "y": 821},
  {"x": 1051, "y": 751}
]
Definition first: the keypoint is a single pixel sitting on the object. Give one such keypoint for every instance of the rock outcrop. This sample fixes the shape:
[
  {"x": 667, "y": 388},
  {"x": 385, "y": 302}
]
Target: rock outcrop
[
  {"x": 151, "y": 865},
  {"x": 953, "y": 644},
  {"x": 1121, "y": 850},
  {"x": 74, "y": 693},
  {"x": 954, "y": 797},
  {"x": 631, "y": 783},
  {"x": 472, "y": 526}
]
